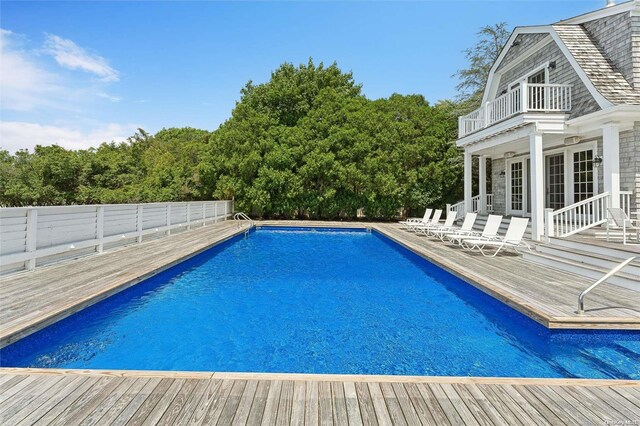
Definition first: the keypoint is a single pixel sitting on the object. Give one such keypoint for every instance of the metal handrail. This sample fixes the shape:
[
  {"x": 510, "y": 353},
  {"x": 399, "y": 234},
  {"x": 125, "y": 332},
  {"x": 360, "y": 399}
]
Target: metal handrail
[
  {"x": 609, "y": 274},
  {"x": 240, "y": 216}
]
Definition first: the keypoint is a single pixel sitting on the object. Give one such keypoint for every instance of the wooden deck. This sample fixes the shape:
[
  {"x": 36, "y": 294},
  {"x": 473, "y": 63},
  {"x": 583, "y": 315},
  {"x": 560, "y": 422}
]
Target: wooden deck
[
  {"x": 30, "y": 301},
  {"x": 70, "y": 398}
]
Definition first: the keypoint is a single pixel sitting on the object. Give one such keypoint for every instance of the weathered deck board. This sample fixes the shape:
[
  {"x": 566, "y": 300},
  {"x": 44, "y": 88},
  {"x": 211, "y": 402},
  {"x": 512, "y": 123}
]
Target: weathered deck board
[
  {"x": 32, "y": 300},
  {"x": 87, "y": 399}
]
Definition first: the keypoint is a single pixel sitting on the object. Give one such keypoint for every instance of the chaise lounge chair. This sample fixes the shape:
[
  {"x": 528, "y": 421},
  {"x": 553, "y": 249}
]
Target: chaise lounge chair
[
  {"x": 434, "y": 221},
  {"x": 622, "y": 222},
  {"x": 448, "y": 223},
  {"x": 512, "y": 239},
  {"x": 465, "y": 229},
  {"x": 416, "y": 220},
  {"x": 490, "y": 231}
]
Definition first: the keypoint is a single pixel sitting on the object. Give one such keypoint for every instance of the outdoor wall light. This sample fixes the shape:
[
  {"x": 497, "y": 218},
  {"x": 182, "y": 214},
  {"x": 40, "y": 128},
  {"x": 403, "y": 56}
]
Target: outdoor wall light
[
  {"x": 597, "y": 161},
  {"x": 503, "y": 173},
  {"x": 552, "y": 65}
]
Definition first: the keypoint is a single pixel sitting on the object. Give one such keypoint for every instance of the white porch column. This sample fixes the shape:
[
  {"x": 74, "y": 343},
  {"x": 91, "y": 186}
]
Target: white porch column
[
  {"x": 611, "y": 161},
  {"x": 537, "y": 185},
  {"x": 482, "y": 183},
  {"x": 468, "y": 181}
]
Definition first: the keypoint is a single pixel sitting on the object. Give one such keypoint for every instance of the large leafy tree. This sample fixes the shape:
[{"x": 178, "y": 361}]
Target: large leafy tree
[
  {"x": 305, "y": 144},
  {"x": 480, "y": 59}
]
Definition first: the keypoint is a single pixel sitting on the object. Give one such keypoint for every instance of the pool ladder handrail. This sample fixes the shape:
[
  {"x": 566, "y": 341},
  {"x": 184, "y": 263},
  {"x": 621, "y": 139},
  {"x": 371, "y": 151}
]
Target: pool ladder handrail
[
  {"x": 608, "y": 275},
  {"x": 242, "y": 217}
]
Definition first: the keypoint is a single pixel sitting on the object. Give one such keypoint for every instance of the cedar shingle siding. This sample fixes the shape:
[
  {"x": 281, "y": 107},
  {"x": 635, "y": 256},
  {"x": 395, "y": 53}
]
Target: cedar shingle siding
[
  {"x": 613, "y": 36},
  {"x": 607, "y": 80}
]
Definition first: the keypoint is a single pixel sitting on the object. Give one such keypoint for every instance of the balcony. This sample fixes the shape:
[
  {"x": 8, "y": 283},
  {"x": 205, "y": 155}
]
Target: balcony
[{"x": 526, "y": 98}]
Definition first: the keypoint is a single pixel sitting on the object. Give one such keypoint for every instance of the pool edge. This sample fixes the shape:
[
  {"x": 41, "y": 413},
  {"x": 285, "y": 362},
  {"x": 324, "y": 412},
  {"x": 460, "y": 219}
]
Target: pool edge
[
  {"x": 322, "y": 377},
  {"x": 39, "y": 323}
]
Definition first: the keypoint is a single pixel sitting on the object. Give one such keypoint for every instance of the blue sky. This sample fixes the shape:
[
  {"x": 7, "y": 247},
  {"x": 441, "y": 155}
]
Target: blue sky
[{"x": 78, "y": 74}]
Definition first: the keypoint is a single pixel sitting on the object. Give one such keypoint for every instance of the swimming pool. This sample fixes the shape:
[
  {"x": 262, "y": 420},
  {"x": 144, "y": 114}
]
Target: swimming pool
[{"x": 298, "y": 300}]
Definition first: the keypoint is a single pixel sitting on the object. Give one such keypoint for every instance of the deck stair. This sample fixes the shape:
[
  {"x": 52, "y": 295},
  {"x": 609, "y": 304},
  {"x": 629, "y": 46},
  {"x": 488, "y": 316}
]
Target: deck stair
[{"x": 588, "y": 257}]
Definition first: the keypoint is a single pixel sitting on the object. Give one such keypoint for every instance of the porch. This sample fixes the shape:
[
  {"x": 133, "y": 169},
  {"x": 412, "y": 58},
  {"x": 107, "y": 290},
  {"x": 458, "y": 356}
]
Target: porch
[{"x": 567, "y": 182}]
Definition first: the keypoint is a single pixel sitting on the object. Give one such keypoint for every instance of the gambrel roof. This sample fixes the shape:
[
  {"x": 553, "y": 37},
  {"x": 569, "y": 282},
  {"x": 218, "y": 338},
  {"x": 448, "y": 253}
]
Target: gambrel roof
[{"x": 604, "y": 77}]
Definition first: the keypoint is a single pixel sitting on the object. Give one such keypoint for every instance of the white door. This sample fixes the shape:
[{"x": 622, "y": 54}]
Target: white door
[
  {"x": 554, "y": 181},
  {"x": 517, "y": 187},
  {"x": 583, "y": 176}
]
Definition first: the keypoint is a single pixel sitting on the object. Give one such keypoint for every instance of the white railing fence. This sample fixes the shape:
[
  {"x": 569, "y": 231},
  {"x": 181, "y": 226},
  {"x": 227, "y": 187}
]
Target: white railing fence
[
  {"x": 458, "y": 207},
  {"x": 503, "y": 106},
  {"x": 582, "y": 215},
  {"x": 576, "y": 217},
  {"x": 625, "y": 202},
  {"x": 32, "y": 236},
  {"x": 489, "y": 203},
  {"x": 471, "y": 122},
  {"x": 526, "y": 97},
  {"x": 547, "y": 97}
]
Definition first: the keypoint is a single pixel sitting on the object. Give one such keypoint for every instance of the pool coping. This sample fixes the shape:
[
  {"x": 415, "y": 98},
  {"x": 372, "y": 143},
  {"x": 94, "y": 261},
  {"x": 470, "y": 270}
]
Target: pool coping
[
  {"x": 29, "y": 327},
  {"x": 450, "y": 267},
  {"x": 323, "y": 377}
]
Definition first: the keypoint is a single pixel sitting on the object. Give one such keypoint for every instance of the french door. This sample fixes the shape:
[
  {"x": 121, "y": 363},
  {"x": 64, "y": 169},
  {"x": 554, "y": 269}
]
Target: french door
[
  {"x": 569, "y": 177},
  {"x": 518, "y": 187},
  {"x": 554, "y": 181},
  {"x": 583, "y": 176}
]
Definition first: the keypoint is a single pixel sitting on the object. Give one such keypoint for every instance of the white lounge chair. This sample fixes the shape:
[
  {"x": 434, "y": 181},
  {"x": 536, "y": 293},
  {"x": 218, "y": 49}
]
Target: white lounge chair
[
  {"x": 448, "y": 223},
  {"x": 416, "y": 220},
  {"x": 512, "y": 239},
  {"x": 465, "y": 229},
  {"x": 622, "y": 222},
  {"x": 434, "y": 221},
  {"x": 490, "y": 231}
]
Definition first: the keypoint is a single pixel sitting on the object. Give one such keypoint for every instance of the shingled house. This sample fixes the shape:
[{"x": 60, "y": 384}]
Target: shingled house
[{"x": 560, "y": 124}]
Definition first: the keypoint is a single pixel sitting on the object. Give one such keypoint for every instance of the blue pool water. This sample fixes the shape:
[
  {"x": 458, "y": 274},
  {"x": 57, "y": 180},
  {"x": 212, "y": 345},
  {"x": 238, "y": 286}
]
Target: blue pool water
[{"x": 308, "y": 301}]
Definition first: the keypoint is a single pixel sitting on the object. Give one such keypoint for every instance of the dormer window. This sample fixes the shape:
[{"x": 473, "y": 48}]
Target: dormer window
[{"x": 538, "y": 78}]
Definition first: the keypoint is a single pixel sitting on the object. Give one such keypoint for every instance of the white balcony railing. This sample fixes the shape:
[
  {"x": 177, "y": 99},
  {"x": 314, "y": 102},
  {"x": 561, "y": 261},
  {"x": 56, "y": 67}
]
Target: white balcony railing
[{"x": 525, "y": 98}]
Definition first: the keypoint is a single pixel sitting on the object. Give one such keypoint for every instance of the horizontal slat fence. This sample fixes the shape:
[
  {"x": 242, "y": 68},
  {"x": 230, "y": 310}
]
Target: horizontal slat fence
[{"x": 34, "y": 236}]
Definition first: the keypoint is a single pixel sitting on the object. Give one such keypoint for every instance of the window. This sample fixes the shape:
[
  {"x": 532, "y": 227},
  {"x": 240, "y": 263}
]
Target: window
[
  {"x": 536, "y": 93},
  {"x": 516, "y": 176},
  {"x": 555, "y": 181},
  {"x": 582, "y": 175}
]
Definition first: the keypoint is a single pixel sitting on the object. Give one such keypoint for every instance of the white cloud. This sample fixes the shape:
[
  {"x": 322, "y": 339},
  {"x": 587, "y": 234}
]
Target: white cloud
[
  {"x": 15, "y": 135},
  {"x": 109, "y": 97},
  {"x": 24, "y": 84},
  {"x": 70, "y": 55}
]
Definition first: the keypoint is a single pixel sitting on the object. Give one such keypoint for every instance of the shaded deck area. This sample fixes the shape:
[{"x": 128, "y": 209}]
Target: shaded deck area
[{"x": 118, "y": 398}]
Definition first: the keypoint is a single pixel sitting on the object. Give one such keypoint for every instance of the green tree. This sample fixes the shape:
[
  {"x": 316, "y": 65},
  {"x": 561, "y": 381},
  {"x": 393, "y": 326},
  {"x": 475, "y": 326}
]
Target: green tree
[{"x": 480, "y": 58}]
